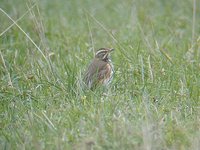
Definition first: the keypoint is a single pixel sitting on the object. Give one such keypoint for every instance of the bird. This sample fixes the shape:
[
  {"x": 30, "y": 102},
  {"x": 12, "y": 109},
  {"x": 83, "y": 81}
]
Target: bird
[{"x": 100, "y": 70}]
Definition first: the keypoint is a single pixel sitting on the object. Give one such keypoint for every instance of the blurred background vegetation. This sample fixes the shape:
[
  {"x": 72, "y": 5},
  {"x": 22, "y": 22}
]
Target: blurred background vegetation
[{"x": 153, "y": 101}]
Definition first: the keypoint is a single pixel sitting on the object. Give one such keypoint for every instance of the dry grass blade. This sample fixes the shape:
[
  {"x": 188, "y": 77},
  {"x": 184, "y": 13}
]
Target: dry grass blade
[
  {"x": 91, "y": 37},
  {"x": 193, "y": 21},
  {"x": 18, "y": 19},
  {"x": 15, "y": 23},
  {"x": 9, "y": 77}
]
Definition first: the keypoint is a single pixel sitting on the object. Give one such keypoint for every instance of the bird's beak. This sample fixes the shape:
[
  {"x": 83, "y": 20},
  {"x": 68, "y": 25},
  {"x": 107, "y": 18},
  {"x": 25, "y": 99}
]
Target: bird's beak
[{"x": 112, "y": 49}]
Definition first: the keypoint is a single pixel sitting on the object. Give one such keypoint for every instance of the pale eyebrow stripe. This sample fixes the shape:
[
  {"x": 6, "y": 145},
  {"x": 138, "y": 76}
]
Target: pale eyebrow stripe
[{"x": 101, "y": 51}]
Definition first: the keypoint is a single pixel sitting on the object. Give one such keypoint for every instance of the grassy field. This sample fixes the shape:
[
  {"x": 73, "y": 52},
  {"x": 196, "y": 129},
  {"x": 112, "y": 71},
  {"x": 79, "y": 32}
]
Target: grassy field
[{"x": 153, "y": 101}]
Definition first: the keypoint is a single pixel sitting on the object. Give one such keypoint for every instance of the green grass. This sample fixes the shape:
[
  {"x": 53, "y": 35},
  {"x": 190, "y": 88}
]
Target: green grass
[{"x": 153, "y": 101}]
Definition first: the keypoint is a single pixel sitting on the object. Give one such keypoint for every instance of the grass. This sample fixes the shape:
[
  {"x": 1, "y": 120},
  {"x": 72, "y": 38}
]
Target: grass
[{"x": 153, "y": 101}]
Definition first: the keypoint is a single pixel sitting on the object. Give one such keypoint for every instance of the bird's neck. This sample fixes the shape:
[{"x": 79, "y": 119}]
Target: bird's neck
[{"x": 105, "y": 60}]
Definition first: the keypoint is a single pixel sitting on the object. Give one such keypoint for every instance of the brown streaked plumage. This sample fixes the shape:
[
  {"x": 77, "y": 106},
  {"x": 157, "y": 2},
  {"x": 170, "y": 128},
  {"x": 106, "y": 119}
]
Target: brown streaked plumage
[{"x": 100, "y": 70}]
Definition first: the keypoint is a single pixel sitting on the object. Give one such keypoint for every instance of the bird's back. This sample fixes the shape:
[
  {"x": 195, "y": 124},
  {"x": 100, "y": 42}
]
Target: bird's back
[{"x": 96, "y": 72}]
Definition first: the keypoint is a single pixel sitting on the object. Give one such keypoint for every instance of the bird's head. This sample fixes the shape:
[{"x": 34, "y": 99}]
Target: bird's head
[{"x": 103, "y": 54}]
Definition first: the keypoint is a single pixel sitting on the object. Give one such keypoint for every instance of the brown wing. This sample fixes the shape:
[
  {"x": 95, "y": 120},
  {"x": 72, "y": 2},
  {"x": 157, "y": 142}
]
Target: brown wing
[{"x": 95, "y": 73}]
